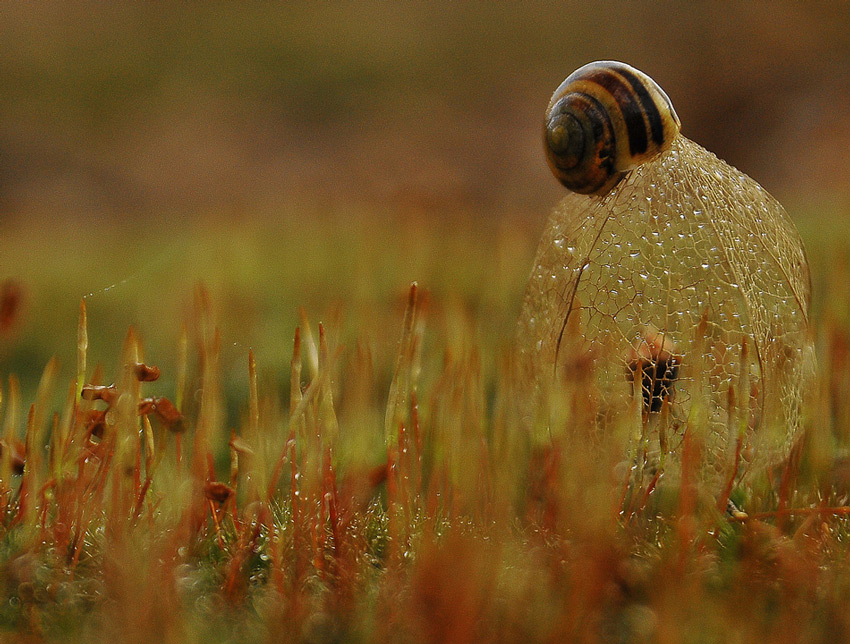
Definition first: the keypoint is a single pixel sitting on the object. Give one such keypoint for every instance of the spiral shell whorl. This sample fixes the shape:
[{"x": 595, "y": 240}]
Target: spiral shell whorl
[{"x": 603, "y": 120}]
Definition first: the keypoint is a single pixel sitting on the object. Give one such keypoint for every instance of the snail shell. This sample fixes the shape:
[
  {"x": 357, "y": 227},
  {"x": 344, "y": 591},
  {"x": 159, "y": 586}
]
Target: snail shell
[{"x": 603, "y": 120}]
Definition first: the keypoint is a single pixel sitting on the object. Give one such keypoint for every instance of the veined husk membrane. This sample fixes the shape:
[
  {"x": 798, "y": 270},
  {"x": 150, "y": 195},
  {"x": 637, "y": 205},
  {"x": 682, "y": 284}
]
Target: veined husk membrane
[{"x": 690, "y": 280}]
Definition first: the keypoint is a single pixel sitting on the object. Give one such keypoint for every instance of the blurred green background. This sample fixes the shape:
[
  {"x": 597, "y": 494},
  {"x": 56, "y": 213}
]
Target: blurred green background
[{"x": 324, "y": 155}]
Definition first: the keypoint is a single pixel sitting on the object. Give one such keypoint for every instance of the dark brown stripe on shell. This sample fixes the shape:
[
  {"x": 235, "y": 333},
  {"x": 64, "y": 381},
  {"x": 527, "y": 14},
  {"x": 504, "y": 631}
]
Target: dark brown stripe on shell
[
  {"x": 629, "y": 107},
  {"x": 656, "y": 125}
]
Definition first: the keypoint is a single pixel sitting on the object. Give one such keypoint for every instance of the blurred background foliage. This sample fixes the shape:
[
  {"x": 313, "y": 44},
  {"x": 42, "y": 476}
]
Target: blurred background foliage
[
  {"x": 131, "y": 107},
  {"x": 323, "y": 155}
]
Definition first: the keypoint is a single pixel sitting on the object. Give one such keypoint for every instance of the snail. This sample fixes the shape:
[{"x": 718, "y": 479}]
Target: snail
[
  {"x": 603, "y": 120},
  {"x": 667, "y": 260}
]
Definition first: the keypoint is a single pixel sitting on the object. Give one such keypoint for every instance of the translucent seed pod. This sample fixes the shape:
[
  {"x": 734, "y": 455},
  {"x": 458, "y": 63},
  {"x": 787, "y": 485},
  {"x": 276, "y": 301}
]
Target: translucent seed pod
[{"x": 677, "y": 274}]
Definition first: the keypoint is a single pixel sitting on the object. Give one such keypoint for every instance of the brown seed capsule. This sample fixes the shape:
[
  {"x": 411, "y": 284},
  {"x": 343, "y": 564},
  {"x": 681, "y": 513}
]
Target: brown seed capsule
[
  {"x": 218, "y": 492},
  {"x": 164, "y": 410},
  {"x": 167, "y": 412},
  {"x": 106, "y": 393},
  {"x": 146, "y": 406},
  {"x": 146, "y": 373}
]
